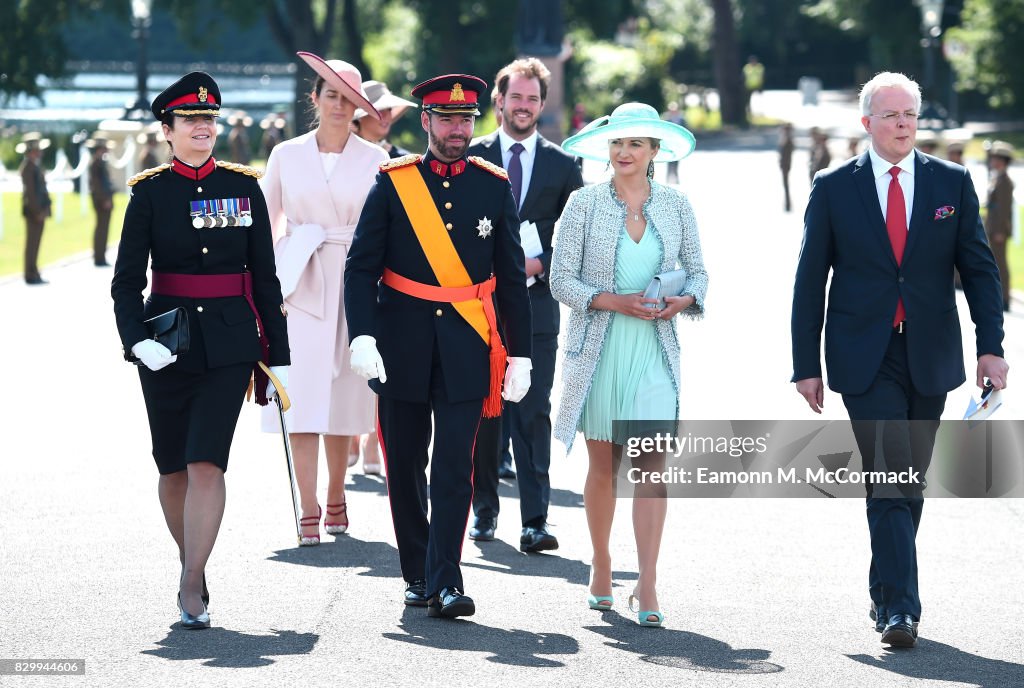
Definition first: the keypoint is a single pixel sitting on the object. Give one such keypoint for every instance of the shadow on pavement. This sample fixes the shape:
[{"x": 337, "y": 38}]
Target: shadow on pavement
[
  {"x": 511, "y": 561},
  {"x": 345, "y": 552},
  {"x": 682, "y": 649},
  {"x": 366, "y": 483},
  {"x": 940, "y": 662},
  {"x": 502, "y": 646},
  {"x": 220, "y": 647}
]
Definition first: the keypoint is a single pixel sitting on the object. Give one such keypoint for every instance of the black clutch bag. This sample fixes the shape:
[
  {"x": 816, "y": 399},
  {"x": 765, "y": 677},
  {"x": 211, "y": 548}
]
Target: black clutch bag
[{"x": 169, "y": 329}]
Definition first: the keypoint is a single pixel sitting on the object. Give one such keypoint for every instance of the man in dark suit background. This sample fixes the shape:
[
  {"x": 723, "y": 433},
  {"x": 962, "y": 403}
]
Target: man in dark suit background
[
  {"x": 891, "y": 225},
  {"x": 542, "y": 177}
]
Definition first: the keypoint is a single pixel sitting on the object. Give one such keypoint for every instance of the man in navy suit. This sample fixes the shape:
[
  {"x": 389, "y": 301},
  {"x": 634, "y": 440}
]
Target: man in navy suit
[
  {"x": 891, "y": 225},
  {"x": 542, "y": 177}
]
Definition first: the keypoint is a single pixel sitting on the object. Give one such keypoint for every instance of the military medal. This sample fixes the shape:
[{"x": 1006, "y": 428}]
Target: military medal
[
  {"x": 221, "y": 212},
  {"x": 483, "y": 228}
]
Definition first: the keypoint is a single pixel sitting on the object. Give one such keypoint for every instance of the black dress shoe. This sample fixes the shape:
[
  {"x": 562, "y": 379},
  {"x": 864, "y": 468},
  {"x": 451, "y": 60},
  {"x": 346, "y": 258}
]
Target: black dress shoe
[
  {"x": 537, "y": 539},
  {"x": 483, "y": 529},
  {"x": 879, "y": 616},
  {"x": 505, "y": 472},
  {"x": 102, "y": 264},
  {"x": 450, "y": 603},
  {"x": 35, "y": 280},
  {"x": 416, "y": 593},
  {"x": 900, "y": 631}
]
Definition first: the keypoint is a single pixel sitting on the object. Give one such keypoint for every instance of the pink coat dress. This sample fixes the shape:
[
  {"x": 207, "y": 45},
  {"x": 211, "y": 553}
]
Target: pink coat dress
[{"x": 313, "y": 217}]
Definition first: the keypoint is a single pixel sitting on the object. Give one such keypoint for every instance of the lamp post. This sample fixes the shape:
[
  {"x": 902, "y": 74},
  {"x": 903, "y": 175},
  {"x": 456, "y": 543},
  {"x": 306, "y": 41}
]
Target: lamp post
[
  {"x": 931, "y": 30},
  {"x": 141, "y": 13}
]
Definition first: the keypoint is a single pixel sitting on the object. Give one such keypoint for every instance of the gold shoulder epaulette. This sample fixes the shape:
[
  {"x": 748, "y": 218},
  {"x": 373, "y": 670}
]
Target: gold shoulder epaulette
[
  {"x": 240, "y": 168},
  {"x": 489, "y": 166},
  {"x": 148, "y": 173},
  {"x": 404, "y": 161}
]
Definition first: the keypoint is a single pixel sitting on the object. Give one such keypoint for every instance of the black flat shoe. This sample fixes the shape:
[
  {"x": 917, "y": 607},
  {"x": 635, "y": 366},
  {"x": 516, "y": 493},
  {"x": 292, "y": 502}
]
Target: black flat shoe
[
  {"x": 879, "y": 616},
  {"x": 416, "y": 593},
  {"x": 900, "y": 631},
  {"x": 483, "y": 529},
  {"x": 450, "y": 603},
  {"x": 537, "y": 540}
]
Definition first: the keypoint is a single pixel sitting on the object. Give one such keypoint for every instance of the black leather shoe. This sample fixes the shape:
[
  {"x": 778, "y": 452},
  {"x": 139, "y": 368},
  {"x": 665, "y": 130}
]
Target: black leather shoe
[
  {"x": 102, "y": 264},
  {"x": 450, "y": 603},
  {"x": 879, "y": 616},
  {"x": 900, "y": 631},
  {"x": 537, "y": 539},
  {"x": 35, "y": 281},
  {"x": 505, "y": 472},
  {"x": 483, "y": 529},
  {"x": 416, "y": 593}
]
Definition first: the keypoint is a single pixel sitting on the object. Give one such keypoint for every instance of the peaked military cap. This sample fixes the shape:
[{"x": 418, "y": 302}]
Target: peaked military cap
[
  {"x": 453, "y": 94},
  {"x": 196, "y": 93}
]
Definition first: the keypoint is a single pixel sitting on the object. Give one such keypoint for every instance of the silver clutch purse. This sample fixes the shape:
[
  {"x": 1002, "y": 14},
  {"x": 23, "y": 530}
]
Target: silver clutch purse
[{"x": 665, "y": 284}]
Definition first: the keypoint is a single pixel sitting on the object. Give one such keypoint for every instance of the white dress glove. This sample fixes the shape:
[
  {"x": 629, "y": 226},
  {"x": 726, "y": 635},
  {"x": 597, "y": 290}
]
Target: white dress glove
[
  {"x": 153, "y": 354},
  {"x": 517, "y": 379},
  {"x": 366, "y": 360},
  {"x": 281, "y": 373}
]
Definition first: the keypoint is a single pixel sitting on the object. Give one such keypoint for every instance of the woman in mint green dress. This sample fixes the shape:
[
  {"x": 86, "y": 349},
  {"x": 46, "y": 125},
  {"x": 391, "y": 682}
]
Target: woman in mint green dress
[{"x": 621, "y": 351}]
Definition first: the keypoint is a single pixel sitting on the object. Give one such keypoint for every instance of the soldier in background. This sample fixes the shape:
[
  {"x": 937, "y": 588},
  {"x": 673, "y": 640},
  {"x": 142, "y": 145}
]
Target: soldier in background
[
  {"x": 238, "y": 138},
  {"x": 786, "y": 147},
  {"x": 150, "y": 142},
  {"x": 820, "y": 157},
  {"x": 999, "y": 215},
  {"x": 927, "y": 141},
  {"x": 273, "y": 127},
  {"x": 102, "y": 191},
  {"x": 35, "y": 200}
]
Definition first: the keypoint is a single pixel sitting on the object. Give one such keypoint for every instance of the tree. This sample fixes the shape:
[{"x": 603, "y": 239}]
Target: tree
[
  {"x": 727, "y": 65},
  {"x": 31, "y": 44},
  {"x": 990, "y": 32}
]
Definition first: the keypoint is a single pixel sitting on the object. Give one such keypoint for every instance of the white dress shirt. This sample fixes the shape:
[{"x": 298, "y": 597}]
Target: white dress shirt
[
  {"x": 526, "y": 158},
  {"x": 880, "y": 168}
]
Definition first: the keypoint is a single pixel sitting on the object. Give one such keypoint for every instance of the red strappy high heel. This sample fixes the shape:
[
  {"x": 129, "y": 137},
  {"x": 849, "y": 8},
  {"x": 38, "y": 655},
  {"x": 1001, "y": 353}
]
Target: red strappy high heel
[
  {"x": 310, "y": 522},
  {"x": 336, "y": 522}
]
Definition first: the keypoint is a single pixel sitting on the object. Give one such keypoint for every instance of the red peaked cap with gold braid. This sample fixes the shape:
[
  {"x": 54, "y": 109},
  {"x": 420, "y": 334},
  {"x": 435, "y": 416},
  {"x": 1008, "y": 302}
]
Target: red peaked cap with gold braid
[
  {"x": 196, "y": 93},
  {"x": 452, "y": 94}
]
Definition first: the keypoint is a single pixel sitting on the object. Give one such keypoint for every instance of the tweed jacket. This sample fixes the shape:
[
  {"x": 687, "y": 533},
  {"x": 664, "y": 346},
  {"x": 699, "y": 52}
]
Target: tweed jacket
[{"x": 583, "y": 266}]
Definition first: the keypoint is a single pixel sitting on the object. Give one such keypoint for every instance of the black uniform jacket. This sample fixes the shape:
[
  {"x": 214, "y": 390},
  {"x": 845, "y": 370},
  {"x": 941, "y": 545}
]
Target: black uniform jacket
[
  {"x": 158, "y": 224},
  {"x": 555, "y": 175},
  {"x": 484, "y": 228}
]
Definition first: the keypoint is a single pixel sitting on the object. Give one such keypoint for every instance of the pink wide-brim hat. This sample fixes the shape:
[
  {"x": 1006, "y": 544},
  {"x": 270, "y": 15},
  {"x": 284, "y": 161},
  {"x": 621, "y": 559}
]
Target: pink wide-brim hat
[{"x": 344, "y": 77}]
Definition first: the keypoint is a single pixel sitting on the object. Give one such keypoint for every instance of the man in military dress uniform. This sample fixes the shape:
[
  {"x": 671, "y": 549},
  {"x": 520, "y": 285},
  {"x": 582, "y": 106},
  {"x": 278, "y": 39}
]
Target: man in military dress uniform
[
  {"x": 35, "y": 201},
  {"x": 437, "y": 240},
  {"x": 102, "y": 191},
  {"x": 999, "y": 211}
]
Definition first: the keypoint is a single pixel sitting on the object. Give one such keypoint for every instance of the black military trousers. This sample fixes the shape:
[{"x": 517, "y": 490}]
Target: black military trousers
[
  {"x": 430, "y": 549},
  {"x": 895, "y": 428},
  {"x": 101, "y": 232},
  {"x": 33, "y": 238}
]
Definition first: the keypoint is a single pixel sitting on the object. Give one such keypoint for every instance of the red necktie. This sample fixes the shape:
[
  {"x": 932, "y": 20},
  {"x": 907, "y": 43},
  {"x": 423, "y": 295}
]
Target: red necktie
[{"x": 896, "y": 224}]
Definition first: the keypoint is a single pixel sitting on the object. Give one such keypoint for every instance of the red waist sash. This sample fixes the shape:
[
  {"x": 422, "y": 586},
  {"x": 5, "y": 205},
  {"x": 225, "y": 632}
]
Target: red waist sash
[{"x": 216, "y": 287}]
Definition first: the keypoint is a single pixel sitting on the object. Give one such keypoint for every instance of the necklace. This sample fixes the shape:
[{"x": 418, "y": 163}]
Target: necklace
[
  {"x": 629, "y": 209},
  {"x": 636, "y": 213}
]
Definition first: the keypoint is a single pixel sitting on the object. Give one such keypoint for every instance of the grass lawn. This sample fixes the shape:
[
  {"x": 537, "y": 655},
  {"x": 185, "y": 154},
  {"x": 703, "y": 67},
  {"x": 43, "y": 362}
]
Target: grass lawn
[{"x": 62, "y": 239}]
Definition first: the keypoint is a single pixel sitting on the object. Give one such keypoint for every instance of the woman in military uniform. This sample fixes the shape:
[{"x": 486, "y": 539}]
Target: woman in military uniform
[{"x": 203, "y": 225}]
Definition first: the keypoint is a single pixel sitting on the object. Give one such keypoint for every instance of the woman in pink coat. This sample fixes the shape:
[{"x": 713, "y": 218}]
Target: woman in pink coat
[{"x": 315, "y": 187}]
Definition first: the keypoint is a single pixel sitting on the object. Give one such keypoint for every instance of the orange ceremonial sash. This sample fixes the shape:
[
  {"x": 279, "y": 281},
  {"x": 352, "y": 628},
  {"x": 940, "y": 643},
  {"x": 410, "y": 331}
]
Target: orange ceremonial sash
[{"x": 472, "y": 301}]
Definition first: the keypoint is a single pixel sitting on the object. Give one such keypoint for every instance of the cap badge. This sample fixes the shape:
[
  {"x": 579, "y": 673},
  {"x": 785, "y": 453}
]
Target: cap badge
[
  {"x": 202, "y": 94},
  {"x": 457, "y": 94},
  {"x": 483, "y": 228}
]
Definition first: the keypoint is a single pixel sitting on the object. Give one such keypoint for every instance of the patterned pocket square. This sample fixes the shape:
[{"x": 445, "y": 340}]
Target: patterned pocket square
[{"x": 944, "y": 212}]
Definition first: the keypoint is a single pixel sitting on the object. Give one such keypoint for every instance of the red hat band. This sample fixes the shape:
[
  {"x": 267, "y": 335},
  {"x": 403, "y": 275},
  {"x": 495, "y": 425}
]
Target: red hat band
[
  {"x": 193, "y": 99},
  {"x": 454, "y": 96}
]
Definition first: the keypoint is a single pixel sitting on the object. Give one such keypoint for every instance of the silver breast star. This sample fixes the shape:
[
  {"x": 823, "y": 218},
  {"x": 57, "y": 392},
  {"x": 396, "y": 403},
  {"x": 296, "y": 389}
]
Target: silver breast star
[{"x": 483, "y": 228}]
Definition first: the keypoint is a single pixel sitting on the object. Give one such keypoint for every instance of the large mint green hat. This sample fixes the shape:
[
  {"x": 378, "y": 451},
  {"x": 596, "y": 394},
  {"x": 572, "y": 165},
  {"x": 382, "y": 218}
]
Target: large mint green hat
[{"x": 631, "y": 120}]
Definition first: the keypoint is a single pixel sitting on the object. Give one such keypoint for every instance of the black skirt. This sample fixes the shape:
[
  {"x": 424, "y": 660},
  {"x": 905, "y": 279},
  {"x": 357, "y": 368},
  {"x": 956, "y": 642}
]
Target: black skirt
[{"x": 192, "y": 415}]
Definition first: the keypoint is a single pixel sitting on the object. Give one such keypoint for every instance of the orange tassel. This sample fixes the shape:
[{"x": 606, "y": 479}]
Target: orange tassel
[{"x": 492, "y": 404}]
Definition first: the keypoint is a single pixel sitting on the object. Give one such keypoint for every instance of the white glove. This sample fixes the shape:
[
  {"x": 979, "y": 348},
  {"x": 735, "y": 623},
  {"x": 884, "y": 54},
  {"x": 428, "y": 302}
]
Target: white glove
[
  {"x": 153, "y": 354},
  {"x": 281, "y": 373},
  {"x": 517, "y": 379},
  {"x": 366, "y": 360}
]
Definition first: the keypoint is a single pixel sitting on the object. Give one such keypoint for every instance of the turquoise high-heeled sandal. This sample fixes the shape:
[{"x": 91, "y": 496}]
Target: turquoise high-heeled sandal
[
  {"x": 600, "y": 602},
  {"x": 644, "y": 617}
]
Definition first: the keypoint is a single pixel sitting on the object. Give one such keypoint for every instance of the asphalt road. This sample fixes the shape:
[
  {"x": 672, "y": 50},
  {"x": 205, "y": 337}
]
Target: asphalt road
[{"x": 756, "y": 592}]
